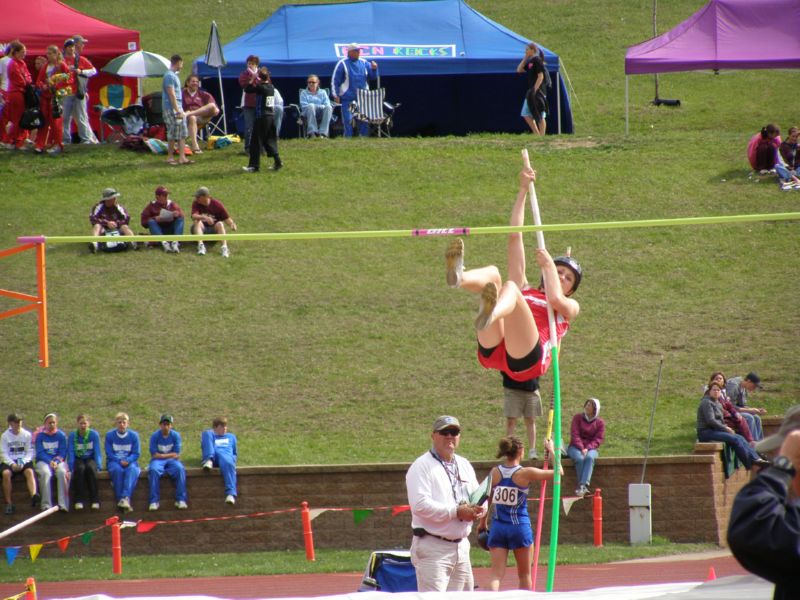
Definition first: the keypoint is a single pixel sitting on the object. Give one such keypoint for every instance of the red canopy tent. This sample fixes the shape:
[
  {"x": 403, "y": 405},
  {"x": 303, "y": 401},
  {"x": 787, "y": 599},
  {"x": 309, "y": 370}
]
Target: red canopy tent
[{"x": 41, "y": 23}]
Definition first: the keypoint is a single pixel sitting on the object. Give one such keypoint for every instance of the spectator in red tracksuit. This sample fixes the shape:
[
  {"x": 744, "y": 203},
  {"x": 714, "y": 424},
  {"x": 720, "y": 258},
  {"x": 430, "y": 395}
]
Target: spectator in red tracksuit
[
  {"x": 53, "y": 76},
  {"x": 18, "y": 77}
]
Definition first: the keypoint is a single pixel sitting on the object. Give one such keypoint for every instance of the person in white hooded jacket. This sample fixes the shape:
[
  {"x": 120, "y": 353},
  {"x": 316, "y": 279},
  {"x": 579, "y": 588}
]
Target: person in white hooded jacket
[{"x": 586, "y": 435}]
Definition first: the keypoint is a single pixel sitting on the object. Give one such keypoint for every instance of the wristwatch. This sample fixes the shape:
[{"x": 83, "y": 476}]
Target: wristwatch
[{"x": 784, "y": 464}]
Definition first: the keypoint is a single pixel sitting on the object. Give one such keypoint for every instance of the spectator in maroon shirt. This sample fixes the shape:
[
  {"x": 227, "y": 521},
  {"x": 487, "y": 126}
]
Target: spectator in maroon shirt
[
  {"x": 249, "y": 77},
  {"x": 210, "y": 216},
  {"x": 199, "y": 107},
  {"x": 108, "y": 217},
  {"x": 163, "y": 216}
]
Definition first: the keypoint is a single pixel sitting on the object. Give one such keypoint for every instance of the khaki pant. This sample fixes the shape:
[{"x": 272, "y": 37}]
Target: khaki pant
[{"x": 441, "y": 566}]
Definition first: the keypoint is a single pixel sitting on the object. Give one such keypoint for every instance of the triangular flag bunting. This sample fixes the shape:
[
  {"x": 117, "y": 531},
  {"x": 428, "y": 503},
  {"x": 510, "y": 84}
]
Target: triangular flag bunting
[
  {"x": 145, "y": 526},
  {"x": 396, "y": 510},
  {"x": 87, "y": 537},
  {"x": 315, "y": 512},
  {"x": 359, "y": 514},
  {"x": 34, "y": 549},
  {"x": 568, "y": 502},
  {"x": 11, "y": 554},
  {"x": 63, "y": 543}
]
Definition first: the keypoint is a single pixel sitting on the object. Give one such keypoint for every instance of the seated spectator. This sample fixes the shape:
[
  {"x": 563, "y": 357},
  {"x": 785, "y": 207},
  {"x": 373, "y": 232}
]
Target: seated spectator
[
  {"x": 711, "y": 427},
  {"x": 108, "y": 217},
  {"x": 762, "y": 151},
  {"x": 586, "y": 435},
  {"x": 736, "y": 390},
  {"x": 163, "y": 216},
  {"x": 165, "y": 452},
  {"x": 219, "y": 450},
  {"x": 315, "y": 106},
  {"x": 122, "y": 454},
  {"x": 731, "y": 415},
  {"x": 210, "y": 216},
  {"x": 16, "y": 454},
  {"x": 51, "y": 459},
  {"x": 199, "y": 107},
  {"x": 789, "y": 153},
  {"x": 85, "y": 460}
]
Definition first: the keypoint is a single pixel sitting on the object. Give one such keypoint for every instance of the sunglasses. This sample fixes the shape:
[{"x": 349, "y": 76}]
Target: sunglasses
[
  {"x": 449, "y": 432},
  {"x": 312, "y": 81}
]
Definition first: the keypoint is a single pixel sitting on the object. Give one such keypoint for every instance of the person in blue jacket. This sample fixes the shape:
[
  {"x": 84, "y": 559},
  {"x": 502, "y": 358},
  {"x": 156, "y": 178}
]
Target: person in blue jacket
[
  {"x": 122, "y": 454},
  {"x": 351, "y": 74},
  {"x": 219, "y": 450},
  {"x": 165, "y": 450},
  {"x": 84, "y": 459},
  {"x": 51, "y": 455}
]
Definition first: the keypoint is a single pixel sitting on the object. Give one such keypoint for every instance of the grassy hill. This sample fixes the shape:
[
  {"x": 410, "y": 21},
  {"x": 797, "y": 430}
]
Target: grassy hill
[{"x": 346, "y": 350}]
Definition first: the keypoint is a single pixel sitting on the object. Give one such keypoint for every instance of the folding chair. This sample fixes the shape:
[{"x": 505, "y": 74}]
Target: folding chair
[
  {"x": 371, "y": 106},
  {"x": 123, "y": 121},
  {"x": 389, "y": 571},
  {"x": 302, "y": 124},
  {"x": 152, "y": 105}
]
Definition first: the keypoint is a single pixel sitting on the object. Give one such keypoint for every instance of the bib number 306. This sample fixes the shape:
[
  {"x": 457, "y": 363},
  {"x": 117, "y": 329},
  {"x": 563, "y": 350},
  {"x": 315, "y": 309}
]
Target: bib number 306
[{"x": 505, "y": 495}]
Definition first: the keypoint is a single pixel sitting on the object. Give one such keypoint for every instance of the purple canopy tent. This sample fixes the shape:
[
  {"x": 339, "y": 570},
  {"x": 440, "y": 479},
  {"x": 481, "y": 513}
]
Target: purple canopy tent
[{"x": 724, "y": 34}]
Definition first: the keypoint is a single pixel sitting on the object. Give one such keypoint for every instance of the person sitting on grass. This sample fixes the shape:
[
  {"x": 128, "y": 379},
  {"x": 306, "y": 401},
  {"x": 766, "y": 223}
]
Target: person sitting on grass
[
  {"x": 210, "y": 216},
  {"x": 163, "y": 216},
  {"x": 16, "y": 454},
  {"x": 512, "y": 323},
  {"x": 122, "y": 454},
  {"x": 199, "y": 107},
  {"x": 109, "y": 218},
  {"x": 218, "y": 446},
  {"x": 51, "y": 459},
  {"x": 763, "y": 153},
  {"x": 711, "y": 427},
  {"x": 85, "y": 459}
]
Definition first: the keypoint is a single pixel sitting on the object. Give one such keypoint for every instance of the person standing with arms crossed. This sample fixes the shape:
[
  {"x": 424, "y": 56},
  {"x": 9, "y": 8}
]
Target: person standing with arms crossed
[{"x": 439, "y": 484}]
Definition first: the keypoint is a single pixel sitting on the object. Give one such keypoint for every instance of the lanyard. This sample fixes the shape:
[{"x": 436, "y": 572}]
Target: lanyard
[{"x": 452, "y": 474}]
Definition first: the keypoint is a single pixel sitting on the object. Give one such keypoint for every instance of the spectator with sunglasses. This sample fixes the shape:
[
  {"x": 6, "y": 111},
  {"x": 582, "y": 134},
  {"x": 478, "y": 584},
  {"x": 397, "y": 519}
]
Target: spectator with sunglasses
[
  {"x": 315, "y": 105},
  {"x": 439, "y": 484}
]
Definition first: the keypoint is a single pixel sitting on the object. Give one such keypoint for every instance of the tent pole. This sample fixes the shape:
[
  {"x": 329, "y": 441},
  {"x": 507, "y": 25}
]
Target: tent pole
[
  {"x": 222, "y": 95},
  {"x": 558, "y": 95},
  {"x": 626, "y": 104}
]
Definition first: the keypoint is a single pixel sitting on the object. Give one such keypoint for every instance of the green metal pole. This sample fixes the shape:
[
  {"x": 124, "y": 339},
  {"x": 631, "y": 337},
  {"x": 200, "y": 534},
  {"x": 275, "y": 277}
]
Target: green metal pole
[{"x": 556, "y": 505}]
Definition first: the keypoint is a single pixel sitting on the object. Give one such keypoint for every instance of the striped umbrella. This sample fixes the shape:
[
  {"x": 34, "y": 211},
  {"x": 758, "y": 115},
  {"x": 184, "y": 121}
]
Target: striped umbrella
[{"x": 138, "y": 64}]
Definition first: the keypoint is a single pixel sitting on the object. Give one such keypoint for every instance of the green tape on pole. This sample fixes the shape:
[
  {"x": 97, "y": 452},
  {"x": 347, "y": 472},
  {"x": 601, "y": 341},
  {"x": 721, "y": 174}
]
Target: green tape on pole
[
  {"x": 556, "y": 505},
  {"x": 320, "y": 235}
]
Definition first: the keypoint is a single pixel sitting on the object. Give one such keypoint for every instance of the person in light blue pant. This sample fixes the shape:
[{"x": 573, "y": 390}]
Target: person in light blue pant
[
  {"x": 586, "y": 435},
  {"x": 315, "y": 106},
  {"x": 165, "y": 450},
  {"x": 219, "y": 450},
  {"x": 122, "y": 454}
]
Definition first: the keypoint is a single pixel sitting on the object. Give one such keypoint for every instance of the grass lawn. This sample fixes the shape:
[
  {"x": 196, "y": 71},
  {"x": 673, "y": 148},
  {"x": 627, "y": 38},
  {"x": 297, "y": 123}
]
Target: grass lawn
[
  {"x": 337, "y": 351},
  {"x": 275, "y": 563}
]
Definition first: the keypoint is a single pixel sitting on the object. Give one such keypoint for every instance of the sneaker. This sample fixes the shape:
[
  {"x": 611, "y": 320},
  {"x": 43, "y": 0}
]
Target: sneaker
[
  {"x": 63, "y": 508},
  {"x": 787, "y": 185},
  {"x": 176, "y": 247},
  {"x": 579, "y": 492},
  {"x": 44, "y": 506},
  {"x": 201, "y": 248},
  {"x": 35, "y": 500},
  {"x": 277, "y": 166},
  {"x": 10, "y": 507},
  {"x": 249, "y": 169},
  {"x": 54, "y": 151},
  {"x": 532, "y": 454},
  {"x": 166, "y": 246},
  {"x": 93, "y": 247},
  {"x": 488, "y": 302},
  {"x": 125, "y": 504},
  {"x": 454, "y": 262},
  {"x": 225, "y": 252},
  {"x": 95, "y": 506},
  {"x": 153, "y": 506},
  {"x": 181, "y": 505},
  {"x": 230, "y": 499},
  {"x": 207, "y": 465},
  {"x": 79, "y": 506}
]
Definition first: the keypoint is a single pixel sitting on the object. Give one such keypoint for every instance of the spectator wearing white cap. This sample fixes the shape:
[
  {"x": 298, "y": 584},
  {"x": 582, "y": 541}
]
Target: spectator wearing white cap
[
  {"x": 764, "y": 529},
  {"x": 439, "y": 484},
  {"x": 350, "y": 74}
]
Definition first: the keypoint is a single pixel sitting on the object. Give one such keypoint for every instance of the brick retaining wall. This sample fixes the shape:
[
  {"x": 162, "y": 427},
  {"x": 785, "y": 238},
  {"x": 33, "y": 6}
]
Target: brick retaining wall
[{"x": 691, "y": 503}]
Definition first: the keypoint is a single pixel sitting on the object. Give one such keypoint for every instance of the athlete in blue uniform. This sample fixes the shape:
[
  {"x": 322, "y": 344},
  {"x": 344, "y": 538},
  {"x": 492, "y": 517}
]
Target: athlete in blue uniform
[
  {"x": 219, "y": 450},
  {"x": 122, "y": 452},
  {"x": 165, "y": 452},
  {"x": 511, "y": 526}
]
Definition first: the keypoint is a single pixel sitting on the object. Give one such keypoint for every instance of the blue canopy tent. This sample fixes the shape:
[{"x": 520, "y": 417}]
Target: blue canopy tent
[{"x": 451, "y": 68}]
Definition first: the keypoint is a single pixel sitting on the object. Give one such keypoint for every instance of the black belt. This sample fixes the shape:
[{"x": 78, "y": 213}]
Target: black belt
[{"x": 419, "y": 532}]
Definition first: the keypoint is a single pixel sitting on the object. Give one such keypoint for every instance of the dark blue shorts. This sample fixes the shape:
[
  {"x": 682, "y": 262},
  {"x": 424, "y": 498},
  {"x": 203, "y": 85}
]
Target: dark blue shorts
[{"x": 512, "y": 537}]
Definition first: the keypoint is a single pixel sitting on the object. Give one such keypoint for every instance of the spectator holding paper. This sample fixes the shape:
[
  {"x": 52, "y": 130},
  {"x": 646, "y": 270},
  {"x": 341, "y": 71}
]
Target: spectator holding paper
[{"x": 163, "y": 216}]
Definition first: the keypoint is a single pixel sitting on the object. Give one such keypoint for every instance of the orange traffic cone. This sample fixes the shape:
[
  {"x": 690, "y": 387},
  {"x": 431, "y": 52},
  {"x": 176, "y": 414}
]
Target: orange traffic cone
[
  {"x": 30, "y": 587},
  {"x": 711, "y": 574}
]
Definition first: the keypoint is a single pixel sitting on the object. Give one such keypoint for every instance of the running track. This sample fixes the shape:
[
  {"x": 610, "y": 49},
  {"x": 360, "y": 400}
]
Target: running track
[{"x": 568, "y": 578}]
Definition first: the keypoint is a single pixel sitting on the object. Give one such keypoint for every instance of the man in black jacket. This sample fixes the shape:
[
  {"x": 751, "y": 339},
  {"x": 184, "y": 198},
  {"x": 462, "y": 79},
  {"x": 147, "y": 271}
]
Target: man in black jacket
[{"x": 764, "y": 530}]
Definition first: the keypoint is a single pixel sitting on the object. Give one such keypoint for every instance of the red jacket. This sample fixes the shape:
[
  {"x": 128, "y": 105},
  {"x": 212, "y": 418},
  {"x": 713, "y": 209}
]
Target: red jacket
[{"x": 18, "y": 76}]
